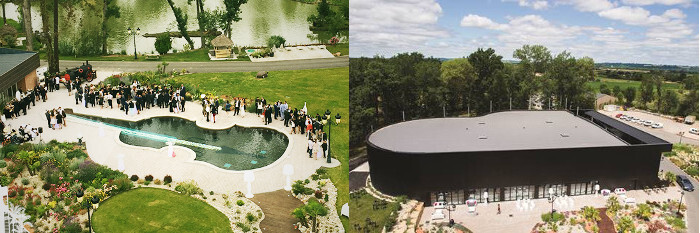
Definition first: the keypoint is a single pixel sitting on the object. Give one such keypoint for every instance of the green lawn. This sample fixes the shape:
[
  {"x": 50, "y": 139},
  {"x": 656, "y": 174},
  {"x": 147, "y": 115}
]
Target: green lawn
[
  {"x": 321, "y": 89},
  {"x": 624, "y": 84},
  {"x": 192, "y": 55},
  {"x": 362, "y": 208},
  {"x": 157, "y": 210},
  {"x": 343, "y": 48}
]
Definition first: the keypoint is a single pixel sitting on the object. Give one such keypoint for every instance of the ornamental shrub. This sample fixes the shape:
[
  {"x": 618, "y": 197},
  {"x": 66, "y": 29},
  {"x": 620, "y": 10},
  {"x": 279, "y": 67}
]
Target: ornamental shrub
[
  {"x": 250, "y": 217},
  {"x": 167, "y": 179},
  {"x": 134, "y": 178},
  {"x": 149, "y": 178},
  {"x": 299, "y": 188},
  {"x": 240, "y": 203},
  {"x": 163, "y": 43},
  {"x": 122, "y": 185},
  {"x": 275, "y": 41},
  {"x": 188, "y": 188}
]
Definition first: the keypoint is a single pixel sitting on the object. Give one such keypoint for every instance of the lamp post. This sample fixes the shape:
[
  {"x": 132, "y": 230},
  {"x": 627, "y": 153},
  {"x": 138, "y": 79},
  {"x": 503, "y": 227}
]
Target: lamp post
[
  {"x": 288, "y": 170},
  {"x": 450, "y": 208},
  {"x": 328, "y": 157},
  {"x": 680, "y": 203},
  {"x": 249, "y": 177},
  {"x": 138, "y": 31},
  {"x": 597, "y": 188},
  {"x": 681, "y": 138},
  {"x": 551, "y": 200}
]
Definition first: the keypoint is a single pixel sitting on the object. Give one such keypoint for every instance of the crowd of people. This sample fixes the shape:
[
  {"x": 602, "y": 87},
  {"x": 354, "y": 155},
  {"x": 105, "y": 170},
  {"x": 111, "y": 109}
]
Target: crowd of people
[{"x": 134, "y": 98}]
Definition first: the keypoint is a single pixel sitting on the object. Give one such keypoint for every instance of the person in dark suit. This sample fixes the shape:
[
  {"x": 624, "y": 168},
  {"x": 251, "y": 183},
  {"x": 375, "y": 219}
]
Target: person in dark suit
[{"x": 48, "y": 118}]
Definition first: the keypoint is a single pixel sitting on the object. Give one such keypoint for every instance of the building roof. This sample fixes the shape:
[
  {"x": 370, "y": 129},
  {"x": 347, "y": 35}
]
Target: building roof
[
  {"x": 15, "y": 65},
  {"x": 512, "y": 130},
  {"x": 601, "y": 95},
  {"x": 221, "y": 41}
]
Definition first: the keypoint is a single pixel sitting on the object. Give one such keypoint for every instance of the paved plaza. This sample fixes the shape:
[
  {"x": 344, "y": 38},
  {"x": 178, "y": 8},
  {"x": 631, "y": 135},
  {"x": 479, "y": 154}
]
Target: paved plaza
[
  {"x": 486, "y": 218},
  {"x": 104, "y": 147}
]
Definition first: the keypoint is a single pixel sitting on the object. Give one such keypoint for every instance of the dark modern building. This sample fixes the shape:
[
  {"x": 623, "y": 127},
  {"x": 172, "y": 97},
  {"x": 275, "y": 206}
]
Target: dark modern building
[
  {"x": 512, "y": 155},
  {"x": 17, "y": 71}
]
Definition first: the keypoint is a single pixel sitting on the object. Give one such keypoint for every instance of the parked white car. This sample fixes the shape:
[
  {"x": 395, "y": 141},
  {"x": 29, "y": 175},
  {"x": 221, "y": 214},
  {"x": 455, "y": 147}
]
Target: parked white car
[
  {"x": 648, "y": 123},
  {"x": 694, "y": 131},
  {"x": 657, "y": 125}
]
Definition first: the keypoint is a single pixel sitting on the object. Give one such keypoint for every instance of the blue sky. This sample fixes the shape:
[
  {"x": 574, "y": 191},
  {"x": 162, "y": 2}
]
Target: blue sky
[{"x": 636, "y": 31}]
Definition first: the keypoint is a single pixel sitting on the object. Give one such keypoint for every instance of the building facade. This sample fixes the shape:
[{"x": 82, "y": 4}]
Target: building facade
[
  {"x": 17, "y": 71},
  {"x": 523, "y": 160}
]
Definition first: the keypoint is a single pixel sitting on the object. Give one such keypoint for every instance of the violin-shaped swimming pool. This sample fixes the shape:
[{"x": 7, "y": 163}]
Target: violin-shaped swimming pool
[{"x": 236, "y": 148}]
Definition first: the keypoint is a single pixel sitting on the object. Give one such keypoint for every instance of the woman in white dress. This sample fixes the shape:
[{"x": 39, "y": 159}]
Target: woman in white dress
[
  {"x": 243, "y": 108},
  {"x": 319, "y": 151},
  {"x": 53, "y": 120}
]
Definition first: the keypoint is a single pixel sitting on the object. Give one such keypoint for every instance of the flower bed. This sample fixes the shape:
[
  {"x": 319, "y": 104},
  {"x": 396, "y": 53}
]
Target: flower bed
[{"x": 323, "y": 191}]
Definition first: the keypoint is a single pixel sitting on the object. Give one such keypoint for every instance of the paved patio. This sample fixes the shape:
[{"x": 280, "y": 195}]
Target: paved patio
[
  {"x": 104, "y": 147},
  {"x": 486, "y": 218}
]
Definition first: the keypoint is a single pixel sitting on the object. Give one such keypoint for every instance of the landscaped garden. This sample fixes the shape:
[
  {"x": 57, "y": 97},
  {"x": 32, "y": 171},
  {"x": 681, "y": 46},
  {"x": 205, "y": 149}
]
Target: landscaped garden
[
  {"x": 377, "y": 214},
  {"x": 320, "y": 89},
  {"x": 685, "y": 157},
  {"x": 319, "y": 196},
  {"x": 45, "y": 182},
  {"x": 642, "y": 217}
]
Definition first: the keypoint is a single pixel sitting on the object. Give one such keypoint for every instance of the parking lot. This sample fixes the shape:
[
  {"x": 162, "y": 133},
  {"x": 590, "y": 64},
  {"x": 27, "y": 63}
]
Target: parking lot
[{"x": 669, "y": 132}]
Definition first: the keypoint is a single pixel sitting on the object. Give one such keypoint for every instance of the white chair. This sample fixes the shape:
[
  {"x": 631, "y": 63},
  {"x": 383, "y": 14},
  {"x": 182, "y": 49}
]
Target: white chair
[{"x": 437, "y": 214}]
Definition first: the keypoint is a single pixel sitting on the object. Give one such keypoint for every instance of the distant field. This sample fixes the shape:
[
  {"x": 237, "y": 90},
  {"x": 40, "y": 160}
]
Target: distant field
[{"x": 624, "y": 84}]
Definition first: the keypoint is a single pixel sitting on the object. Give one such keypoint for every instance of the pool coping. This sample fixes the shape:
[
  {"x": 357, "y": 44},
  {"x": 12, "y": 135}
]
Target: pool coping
[{"x": 191, "y": 156}]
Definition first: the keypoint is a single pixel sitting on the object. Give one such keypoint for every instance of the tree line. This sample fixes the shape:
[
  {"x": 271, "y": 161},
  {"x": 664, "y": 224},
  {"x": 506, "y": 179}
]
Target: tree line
[
  {"x": 651, "y": 95},
  {"x": 408, "y": 86}
]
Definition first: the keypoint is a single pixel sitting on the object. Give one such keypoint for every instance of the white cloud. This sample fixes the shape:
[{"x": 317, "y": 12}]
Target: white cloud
[
  {"x": 652, "y": 2},
  {"x": 667, "y": 25},
  {"x": 393, "y": 24},
  {"x": 674, "y": 14},
  {"x": 588, "y": 5},
  {"x": 481, "y": 22},
  {"x": 534, "y": 4}
]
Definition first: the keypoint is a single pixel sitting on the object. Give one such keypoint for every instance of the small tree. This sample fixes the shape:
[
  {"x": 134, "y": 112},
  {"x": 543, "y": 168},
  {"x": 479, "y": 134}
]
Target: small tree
[
  {"x": 8, "y": 36},
  {"x": 163, "y": 43},
  {"x": 275, "y": 41},
  {"x": 626, "y": 224},
  {"x": 670, "y": 177},
  {"x": 613, "y": 204},
  {"x": 313, "y": 210},
  {"x": 591, "y": 214},
  {"x": 643, "y": 211}
]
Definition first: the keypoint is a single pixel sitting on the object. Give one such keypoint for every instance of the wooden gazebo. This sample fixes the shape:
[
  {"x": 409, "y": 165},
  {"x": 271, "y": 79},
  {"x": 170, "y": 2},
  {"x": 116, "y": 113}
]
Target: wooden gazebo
[{"x": 222, "y": 46}]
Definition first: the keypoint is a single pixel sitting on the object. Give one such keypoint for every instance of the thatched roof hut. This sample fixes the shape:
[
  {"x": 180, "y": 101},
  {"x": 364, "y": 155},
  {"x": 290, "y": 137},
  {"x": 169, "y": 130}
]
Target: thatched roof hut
[{"x": 222, "y": 46}]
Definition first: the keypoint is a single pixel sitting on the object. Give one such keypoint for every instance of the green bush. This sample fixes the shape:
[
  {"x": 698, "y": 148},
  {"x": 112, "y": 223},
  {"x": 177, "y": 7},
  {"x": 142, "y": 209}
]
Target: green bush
[
  {"x": 692, "y": 170},
  {"x": 5, "y": 180},
  {"x": 66, "y": 48},
  {"x": 677, "y": 223},
  {"x": 134, "y": 178},
  {"x": 298, "y": 187},
  {"x": 188, "y": 188},
  {"x": 163, "y": 43},
  {"x": 122, "y": 185},
  {"x": 275, "y": 41},
  {"x": 8, "y": 36},
  {"x": 77, "y": 153},
  {"x": 556, "y": 217},
  {"x": 25, "y": 181},
  {"x": 240, "y": 203},
  {"x": 250, "y": 217},
  {"x": 3, "y": 164},
  {"x": 244, "y": 227},
  {"x": 167, "y": 179},
  {"x": 149, "y": 178},
  {"x": 88, "y": 44}
]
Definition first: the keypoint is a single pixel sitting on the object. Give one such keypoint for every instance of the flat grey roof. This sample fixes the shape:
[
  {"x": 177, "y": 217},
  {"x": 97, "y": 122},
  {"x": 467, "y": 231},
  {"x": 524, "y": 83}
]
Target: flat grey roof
[{"x": 512, "y": 130}]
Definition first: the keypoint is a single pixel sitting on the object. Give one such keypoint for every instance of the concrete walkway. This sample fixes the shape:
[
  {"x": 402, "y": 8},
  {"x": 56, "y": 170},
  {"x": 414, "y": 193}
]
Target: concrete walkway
[
  {"x": 104, "y": 147},
  {"x": 486, "y": 218},
  {"x": 211, "y": 66}
]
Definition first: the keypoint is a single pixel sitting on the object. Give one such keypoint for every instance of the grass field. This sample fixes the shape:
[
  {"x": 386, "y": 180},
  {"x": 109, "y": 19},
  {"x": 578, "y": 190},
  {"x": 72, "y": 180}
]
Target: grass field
[
  {"x": 192, "y": 55},
  {"x": 624, "y": 84},
  {"x": 343, "y": 48},
  {"x": 157, "y": 210},
  {"x": 363, "y": 209},
  {"x": 321, "y": 89}
]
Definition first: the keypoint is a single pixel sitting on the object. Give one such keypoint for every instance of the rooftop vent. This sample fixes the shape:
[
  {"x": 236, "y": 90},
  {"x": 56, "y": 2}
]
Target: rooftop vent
[
  {"x": 549, "y": 122},
  {"x": 564, "y": 135},
  {"x": 482, "y": 123},
  {"x": 482, "y": 137}
]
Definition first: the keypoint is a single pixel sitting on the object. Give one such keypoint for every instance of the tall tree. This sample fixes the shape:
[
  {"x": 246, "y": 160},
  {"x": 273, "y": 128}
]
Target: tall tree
[
  {"x": 27, "y": 18},
  {"x": 486, "y": 65},
  {"x": 658, "y": 81},
  {"x": 181, "y": 19},
  {"x": 4, "y": 19},
  {"x": 536, "y": 55},
  {"x": 231, "y": 14},
  {"x": 109, "y": 10},
  {"x": 646, "y": 90},
  {"x": 199, "y": 6},
  {"x": 45, "y": 7},
  {"x": 630, "y": 95},
  {"x": 53, "y": 65}
]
